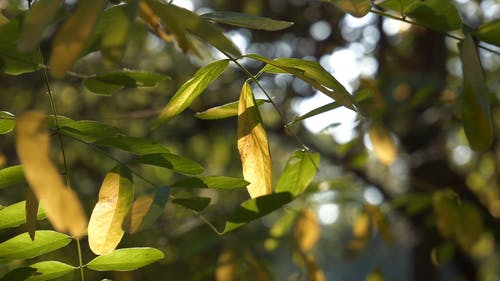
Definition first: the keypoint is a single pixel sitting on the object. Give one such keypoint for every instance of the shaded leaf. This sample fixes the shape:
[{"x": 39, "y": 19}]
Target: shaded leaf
[
  {"x": 441, "y": 15},
  {"x": 314, "y": 272},
  {"x": 489, "y": 32},
  {"x": 194, "y": 203},
  {"x": 306, "y": 231},
  {"x": 279, "y": 229},
  {"x": 298, "y": 173},
  {"x": 219, "y": 182},
  {"x": 139, "y": 146},
  {"x": 190, "y": 90},
  {"x": 109, "y": 83},
  {"x": 89, "y": 131},
  {"x": 446, "y": 211},
  {"x": 253, "y": 145},
  {"x": 11, "y": 176},
  {"x": 384, "y": 145},
  {"x": 145, "y": 210},
  {"x": 116, "y": 34},
  {"x": 396, "y": 5},
  {"x": 21, "y": 246},
  {"x": 357, "y": 8},
  {"x": 226, "y": 266},
  {"x": 255, "y": 208},
  {"x": 64, "y": 210},
  {"x": 224, "y": 111},
  {"x": 171, "y": 161},
  {"x": 71, "y": 39},
  {"x": 125, "y": 259},
  {"x": 48, "y": 270},
  {"x": 18, "y": 274},
  {"x": 115, "y": 199},
  {"x": 31, "y": 210},
  {"x": 475, "y": 104},
  {"x": 15, "y": 215},
  {"x": 248, "y": 21},
  {"x": 7, "y": 122}
]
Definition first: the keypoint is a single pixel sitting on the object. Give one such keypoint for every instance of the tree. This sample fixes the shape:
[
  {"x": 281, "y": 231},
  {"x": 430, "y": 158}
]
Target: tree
[{"x": 83, "y": 93}]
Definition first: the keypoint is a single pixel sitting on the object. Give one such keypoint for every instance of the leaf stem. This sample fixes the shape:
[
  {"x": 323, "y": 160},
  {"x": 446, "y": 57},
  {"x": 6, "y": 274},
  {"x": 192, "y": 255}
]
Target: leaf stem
[{"x": 80, "y": 260}]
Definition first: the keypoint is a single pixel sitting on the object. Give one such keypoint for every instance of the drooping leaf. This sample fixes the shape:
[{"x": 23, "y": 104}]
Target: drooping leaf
[
  {"x": 64, "y": 210},
  {"x": 248, "y": 21},
  {"x": 116, "y": 33},
  {"x": 218, "y": 182},
  {"x": 306, "y": 231},
  {"x": 190, "y": 90},
  {"x": 21, "y": 246},
  {"x": 310, "y": 72},
  {"x": 11, "y": 60},
  {"x": 110, "y": 83},
  {"x": 14, "y": 215},
  {"x": 11, "y": 176},
  {"x": 317, "y": 111},
  {"x": 126, "y": 259},
  {"x": 39, "y": 16},
  {"x": 48, "y": 270},
  {"x": 475, "y": 103},
  {"x": 488, "y": 32},
  {"x": 440, "y": 15},
  {"x": 253, "y": 145},
  {"x": 194, "y": 203},
  {"x": 171, "y": 161},
  {"x": 115, "y": 199},
  {"x": 224, "y": 111},
  {"x": 18, "y": 274},
  {"x": 7, "y": 122},
  {"x": 31, "y": 210},
  {"x": 145, "y": 210},
  {"x": 298, "y": 173},
  {"x": 255, "y": 208},
  {"x": 71, "y": 39},
  {"x": 357, "y": 8},
  {"x": 384, "y": 145}
]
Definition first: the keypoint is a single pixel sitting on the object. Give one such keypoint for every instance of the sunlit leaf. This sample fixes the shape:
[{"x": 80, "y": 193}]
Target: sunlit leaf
[
  {"x": 219, "y": 182},
  {"x": 7, "y": 122},
  {"x": 317, "y": 111},
  {"x": 441, "y": 15},
  {"x": 39, "y": 16},
  {"x": 357, "y": 8},
  {"x": 15, "y": 215},
  {"x": 279, "y": 229},
  {"x": 48, "y": 270},
  {"x": 194, "y": 203},
  {"x": 145, "y": 210},
  {"x": 171, "y": 161},
  {"x": 72, "y": 37},
  {"x": 475, "y": 104},
  {"x": 306, "y": 230},
  {"x": 396, "y": 5},
  {"x": 125, "y": 259},
  {"x": 384, "y": 145},
  {"x": 224, "y": 111},
  {"x": 248, "y": 21},
  {"x": 190, "y": 90},
  {"x": 21, "y": 246},
  {"x": 255, "y": 208},
  {"x": 310, "y": 72},
  {"x": 361, "y": 226},
  {"x": 31, "y": 210},
  {"x": 298, "y": 173},
  {"x": 18, "y": 274},
  {"x": 109, "y": 83},
  {"x": 11, "y": 60},
  {"x": 116, "y": 33},
  {"x": 64, "y": 210},
  {"x": 115, "y": 199},
  {"x": 375, "y": 275},
  {"x": 253, "y": 145},
  {"x": 489, "y": 32},
  {"x": 226, "y": 266},
  {"x": 314, "y": 272},
  {"x": 381, "y": 223},
  {"x": 11, "y": 176}
]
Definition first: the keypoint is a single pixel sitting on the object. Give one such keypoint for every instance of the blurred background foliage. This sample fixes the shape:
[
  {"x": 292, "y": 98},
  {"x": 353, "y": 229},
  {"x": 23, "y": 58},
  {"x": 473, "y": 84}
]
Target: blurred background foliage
[{"x": 429, "y": 210}]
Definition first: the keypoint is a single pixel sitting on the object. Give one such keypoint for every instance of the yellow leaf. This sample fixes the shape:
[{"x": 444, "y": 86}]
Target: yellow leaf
[
  {"x": 71, "y": 39},
  {"x": 383, "y": 144},
  {"x": 138, "y": 211},
  {"x": 115, "y": 198},
  {"x": 361, "y": 226},
  {"x": 64, "y": 210},
  {"x": 306, "y": 230},
  {"x": 314, "y": 273},
  {"x": 226, "y": 269},
  {"x": 253, "y": 145}
]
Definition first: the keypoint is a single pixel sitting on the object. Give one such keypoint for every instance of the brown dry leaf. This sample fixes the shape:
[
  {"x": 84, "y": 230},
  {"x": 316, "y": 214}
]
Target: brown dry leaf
[
  {"x": 383, "y": 144},
  {"x": 64, "y": 210},
  {"x": 71, "y": 39},
  {"x": 306, "y": 230},
  {"x": 253, "y": 145}
]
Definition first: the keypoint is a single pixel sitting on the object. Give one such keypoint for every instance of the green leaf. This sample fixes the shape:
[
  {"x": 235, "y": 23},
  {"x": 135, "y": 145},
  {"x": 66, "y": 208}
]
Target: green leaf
[
  {"x": 316, "y": 111},
  {"x": 310, "y": 72},
  {"x": 298, "y": 173},
  {"x": 219, "y": 182},
  {"x": 11, "y": 60},
  {"x": 39, "y": 16},
  {"x": 145, "y": 210},
  {"x": 21, "y": 246},
  {"x": 224, "y": 111},
  {"x": 396, "y": 5},
  {"x": 137, "y": 146},
  {"x": 190, "y": 90},
  {"x": 11, "y": 176},
  {"x": 116, "y": 32},
  {"x": 48, "y": 270},
  {"x": 357, "y": 8},
  {"x": 248, "y": 21},
  {"x": 14, "y": 215},
  {"x": 89, "y": 131},
  {"x": 18, "y": 274},
  {"x": 439, "y": 15},
  {"x": 489, "y": 32},
  {"x": 255, "y": 208},
  {"x": 7, "y": 122},
  {"x": 194, "y": 203},
  {"x": 125, "y": 259},
  {"x": 171, "y": 161},
  {"x": 475, "y": 104},
  {"x": 109, "y": 83}
]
